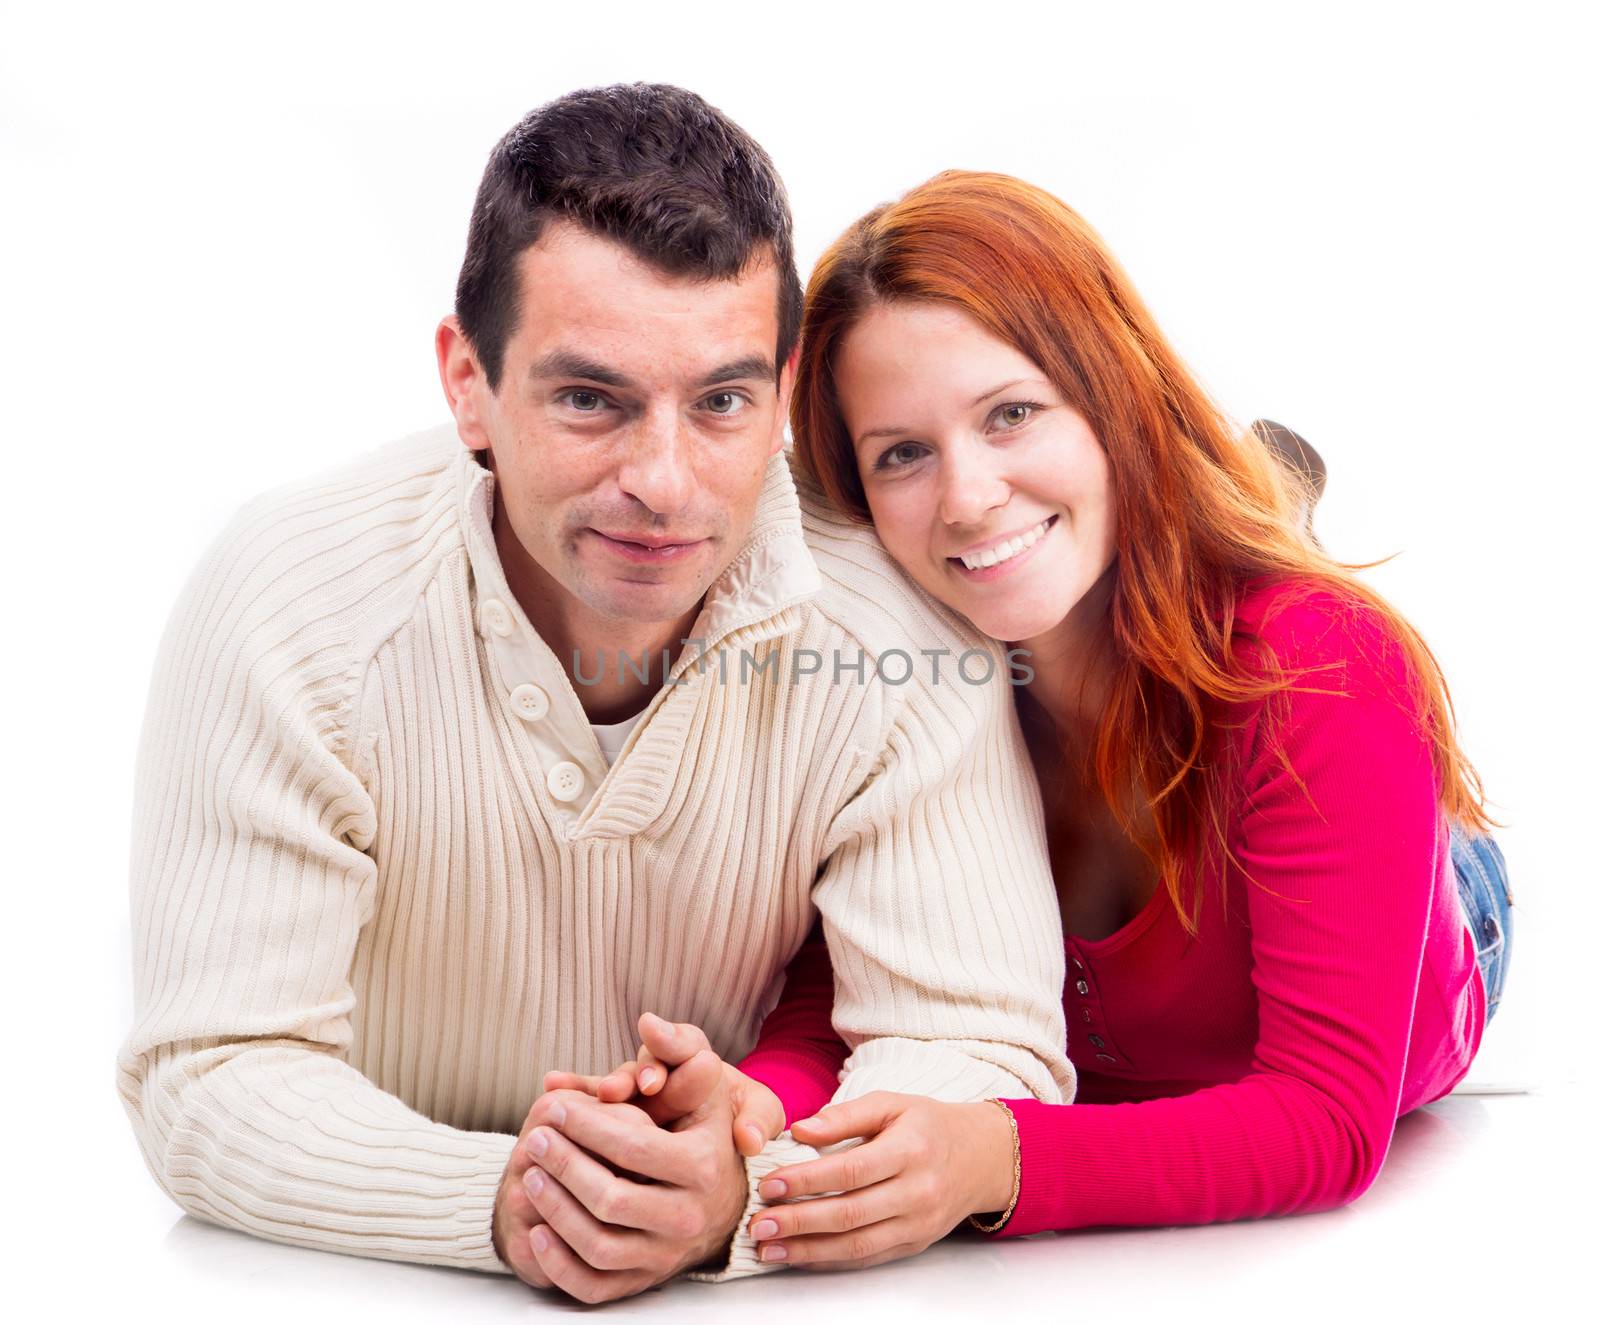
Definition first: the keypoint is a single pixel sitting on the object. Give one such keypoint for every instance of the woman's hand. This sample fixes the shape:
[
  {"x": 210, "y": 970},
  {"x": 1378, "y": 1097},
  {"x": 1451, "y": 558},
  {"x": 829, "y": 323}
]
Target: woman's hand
[
  {"x": 923, "y": 1168},
  {"x": 674, "y": 1073}
]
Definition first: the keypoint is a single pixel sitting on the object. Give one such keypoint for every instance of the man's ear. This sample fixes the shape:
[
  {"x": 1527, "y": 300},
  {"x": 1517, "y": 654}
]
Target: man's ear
[
  {"x": 461, "y": 376},
  {"x": 785, "y": 393}
]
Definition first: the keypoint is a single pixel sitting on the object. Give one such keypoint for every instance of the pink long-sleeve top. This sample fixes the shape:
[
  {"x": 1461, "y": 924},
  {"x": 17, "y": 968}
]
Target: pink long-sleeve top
[{"x": 1259, "y": 1068}]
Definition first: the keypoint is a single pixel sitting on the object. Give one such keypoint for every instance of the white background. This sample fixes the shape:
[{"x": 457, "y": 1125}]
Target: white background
[{"x": 228, "y": 235}]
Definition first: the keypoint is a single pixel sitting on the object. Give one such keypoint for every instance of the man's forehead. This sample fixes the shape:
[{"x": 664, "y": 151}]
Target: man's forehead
[{"x": 586, "y": 296}]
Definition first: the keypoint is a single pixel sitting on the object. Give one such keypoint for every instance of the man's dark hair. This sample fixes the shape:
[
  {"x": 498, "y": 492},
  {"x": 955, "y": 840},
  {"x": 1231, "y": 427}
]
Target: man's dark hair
[{"x": 648, "y": 165}]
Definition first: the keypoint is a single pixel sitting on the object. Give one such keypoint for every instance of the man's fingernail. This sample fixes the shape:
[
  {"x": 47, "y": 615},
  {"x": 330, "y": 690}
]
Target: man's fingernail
[
  {"x": 764, "y": 1228},
  {"x": 534, "y": 1182},
  {"x": 538, "y": 1143},
  {"x": 541, "y": 1239},
  {"x": 647, "y": 1077},
  {"x": 775, "y": 1251},
  {"x": 773, "y": 1189},
  {"x": 558, "y": 1114}
]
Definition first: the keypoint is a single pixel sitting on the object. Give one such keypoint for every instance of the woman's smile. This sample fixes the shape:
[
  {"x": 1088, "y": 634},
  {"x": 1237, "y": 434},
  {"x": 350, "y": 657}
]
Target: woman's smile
[{"x": 1002, "y": 558}]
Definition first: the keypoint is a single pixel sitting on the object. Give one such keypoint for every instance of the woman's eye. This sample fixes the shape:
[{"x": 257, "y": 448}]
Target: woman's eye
[
  {"x": 725, "y": 402},
  {"x": 899, "y": 455},
  {"x": 1015, "y": 414}
]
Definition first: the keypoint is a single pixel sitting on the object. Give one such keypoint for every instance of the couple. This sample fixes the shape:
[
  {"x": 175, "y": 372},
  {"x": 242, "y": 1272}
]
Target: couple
[{"x": 462, "y": 761}]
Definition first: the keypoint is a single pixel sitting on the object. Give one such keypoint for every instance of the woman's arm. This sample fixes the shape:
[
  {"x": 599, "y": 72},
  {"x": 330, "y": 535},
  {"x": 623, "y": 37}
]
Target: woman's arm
[
  {"x": 1348, "y": 839},
  {"x": 798, "y": 1055}
]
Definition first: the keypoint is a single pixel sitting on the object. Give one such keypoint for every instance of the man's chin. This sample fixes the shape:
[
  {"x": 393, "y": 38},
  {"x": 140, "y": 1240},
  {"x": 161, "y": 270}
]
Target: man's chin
[{"x": 647, "y": 604}]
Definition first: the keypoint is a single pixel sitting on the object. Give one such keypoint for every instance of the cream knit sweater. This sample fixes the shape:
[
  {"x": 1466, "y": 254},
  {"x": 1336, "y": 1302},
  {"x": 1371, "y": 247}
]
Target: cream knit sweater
[{"x": 382, "y": 878}]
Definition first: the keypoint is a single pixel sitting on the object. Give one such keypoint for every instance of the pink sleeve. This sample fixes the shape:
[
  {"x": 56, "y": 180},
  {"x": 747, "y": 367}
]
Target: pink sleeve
[
  {"x": 798, "y": 1055},
  {"x": 1350, "y": 841}
]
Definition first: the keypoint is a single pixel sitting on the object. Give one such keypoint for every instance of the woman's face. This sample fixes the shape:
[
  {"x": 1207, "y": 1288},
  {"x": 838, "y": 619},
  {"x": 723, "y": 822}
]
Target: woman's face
[{"x": 984, "y": 484}]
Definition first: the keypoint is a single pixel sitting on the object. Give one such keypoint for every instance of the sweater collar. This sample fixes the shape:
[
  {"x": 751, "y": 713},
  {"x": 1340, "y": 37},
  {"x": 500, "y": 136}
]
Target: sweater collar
[{"x": 773, "y": 571}]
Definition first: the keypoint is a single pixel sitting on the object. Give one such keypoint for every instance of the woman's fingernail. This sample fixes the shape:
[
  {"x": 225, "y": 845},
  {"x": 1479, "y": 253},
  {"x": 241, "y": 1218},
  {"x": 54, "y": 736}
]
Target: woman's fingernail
[
  {"x": 541, "y": 1239},
  {"x": 538, "y": 1143},
  {"x": 647, "y": 1077},
  {"x": 773, "y": 1189},
  {"x": 534, "y": 1182},
  {"x": 775, "y": 1252},
  {"x": 558, "y": 1114},
  {"x": 764, "y": 1228}
]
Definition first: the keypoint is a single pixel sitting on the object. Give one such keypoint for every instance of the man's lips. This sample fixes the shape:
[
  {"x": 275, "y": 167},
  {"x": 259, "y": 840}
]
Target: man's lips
[{"x": 647, "y": 549}]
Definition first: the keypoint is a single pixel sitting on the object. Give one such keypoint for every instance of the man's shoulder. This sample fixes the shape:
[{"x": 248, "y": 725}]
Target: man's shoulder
[
  {"x": 866, "y": 593},
  {"x": 933, "y": 664},
  {"x": 361, "y": 537}
]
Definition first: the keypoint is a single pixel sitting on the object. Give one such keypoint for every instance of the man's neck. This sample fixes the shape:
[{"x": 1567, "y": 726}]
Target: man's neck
[{"x": 615, "y": 666}]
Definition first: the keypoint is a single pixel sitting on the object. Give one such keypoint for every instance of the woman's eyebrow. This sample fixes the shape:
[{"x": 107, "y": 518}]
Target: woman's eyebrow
[
  {"x": 973, "y": 404},
  {"x": 995, "y": 391}
]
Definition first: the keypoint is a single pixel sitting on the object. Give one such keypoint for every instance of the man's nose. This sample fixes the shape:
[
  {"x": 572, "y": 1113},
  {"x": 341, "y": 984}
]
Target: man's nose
[
  {"x": 970, "y": 486},
  {"x": 658, "y": 469}
]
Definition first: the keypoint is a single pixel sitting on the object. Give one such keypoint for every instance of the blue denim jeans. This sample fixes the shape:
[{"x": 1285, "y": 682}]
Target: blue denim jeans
[{"x": 1486, "y": 900}]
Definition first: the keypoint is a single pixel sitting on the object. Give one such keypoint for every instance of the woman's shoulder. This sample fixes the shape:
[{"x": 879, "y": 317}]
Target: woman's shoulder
[
  {"x": 1309, "y": 620},
  {"x": 1325, "y": 635}
]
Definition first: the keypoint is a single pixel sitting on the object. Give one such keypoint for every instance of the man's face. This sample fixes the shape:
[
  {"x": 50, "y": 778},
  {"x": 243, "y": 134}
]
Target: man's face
[{"x": 634, "y": 421}]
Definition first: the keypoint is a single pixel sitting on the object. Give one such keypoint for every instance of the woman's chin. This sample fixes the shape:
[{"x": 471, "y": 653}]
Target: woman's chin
[{"x": 1009, "y": 624}]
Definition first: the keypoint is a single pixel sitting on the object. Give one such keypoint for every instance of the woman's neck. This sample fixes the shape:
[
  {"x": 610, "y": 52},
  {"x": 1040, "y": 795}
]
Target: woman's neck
[{"x": 1072, "y": 665}]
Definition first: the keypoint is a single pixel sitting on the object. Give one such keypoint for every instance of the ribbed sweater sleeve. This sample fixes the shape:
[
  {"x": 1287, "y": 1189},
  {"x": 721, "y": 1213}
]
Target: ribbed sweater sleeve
[
  {"x": 940, "y": 915},
  {"x": 941, "y": 922},
  {"x": 799, "y": 1055},
  {"x": 249, "y": 888},
  {"x": 1341, "y": 832}
]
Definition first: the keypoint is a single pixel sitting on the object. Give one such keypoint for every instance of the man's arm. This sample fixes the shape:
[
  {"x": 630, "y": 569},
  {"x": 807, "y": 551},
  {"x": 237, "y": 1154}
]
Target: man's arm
[
  {"x": 940, "y": 912},
  {"x": 943, "y": 927},
  {"x": 250, "y": 885}
]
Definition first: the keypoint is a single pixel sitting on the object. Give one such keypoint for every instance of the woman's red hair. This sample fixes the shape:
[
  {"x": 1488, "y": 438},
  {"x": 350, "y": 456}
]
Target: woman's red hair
[{"x": 1204, "y": 511}]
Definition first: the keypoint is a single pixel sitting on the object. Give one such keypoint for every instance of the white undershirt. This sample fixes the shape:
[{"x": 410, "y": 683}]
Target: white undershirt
[{"x": 614, "y": 735}]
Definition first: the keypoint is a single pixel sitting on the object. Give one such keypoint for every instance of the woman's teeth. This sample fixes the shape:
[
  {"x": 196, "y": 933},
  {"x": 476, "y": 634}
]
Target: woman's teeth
[{"x": 1005, "y": 551}]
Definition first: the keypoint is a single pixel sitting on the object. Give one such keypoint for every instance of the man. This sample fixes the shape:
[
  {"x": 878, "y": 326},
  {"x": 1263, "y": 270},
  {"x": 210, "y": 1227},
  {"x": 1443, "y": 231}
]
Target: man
[{"x": 433, "y": 795}]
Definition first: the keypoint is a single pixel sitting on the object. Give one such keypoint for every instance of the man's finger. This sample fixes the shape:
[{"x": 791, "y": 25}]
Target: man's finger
[
  {"x": 519, "y": 1253},
  {"x": 570, "y": 1081},
  {"x": 690, "y": 1085},
  {"x": 843, "y": 1171},
  {"x": 572, "y": 1276},
  {"x": 619, "y": 1134},
  {"x": 619, "y": 1084},
  {"x": 671, "y": 1042},
  {"x": 758, "y": 1118},
  {"x": 610, "y": 1198},
  {"x": 652, "y": 1073},
  {"x": 600, "y": 1246}
]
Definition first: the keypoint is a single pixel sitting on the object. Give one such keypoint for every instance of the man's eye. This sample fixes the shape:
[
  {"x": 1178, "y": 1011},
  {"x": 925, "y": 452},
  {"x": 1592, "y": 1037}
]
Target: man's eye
[
  {"x": 725, "y": 403},
  {"x": 586, "y": 402}
]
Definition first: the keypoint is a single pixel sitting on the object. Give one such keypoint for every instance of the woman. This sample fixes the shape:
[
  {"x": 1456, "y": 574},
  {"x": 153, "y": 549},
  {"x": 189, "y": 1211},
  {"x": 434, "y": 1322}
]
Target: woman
[{"x": 1247, "y": 759}]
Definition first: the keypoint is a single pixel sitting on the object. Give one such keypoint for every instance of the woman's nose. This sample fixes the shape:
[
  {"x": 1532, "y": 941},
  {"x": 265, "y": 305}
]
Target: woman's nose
[{"x": 970, "y": 487}]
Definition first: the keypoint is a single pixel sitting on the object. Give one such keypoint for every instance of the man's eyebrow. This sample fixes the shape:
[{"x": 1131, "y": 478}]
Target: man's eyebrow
[
  {"x": 752, "y": 365},
  {"x": 563, "y": 363},
  {"x": 973, "y": 404}
]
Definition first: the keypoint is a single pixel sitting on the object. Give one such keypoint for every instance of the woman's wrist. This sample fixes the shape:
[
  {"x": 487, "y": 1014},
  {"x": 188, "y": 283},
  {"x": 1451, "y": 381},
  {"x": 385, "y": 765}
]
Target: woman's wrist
[{"x": 994, "y": 1171}]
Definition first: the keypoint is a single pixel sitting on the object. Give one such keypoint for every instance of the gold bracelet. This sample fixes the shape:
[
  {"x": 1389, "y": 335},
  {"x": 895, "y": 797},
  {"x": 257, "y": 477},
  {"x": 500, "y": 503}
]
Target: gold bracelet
[{"x": 1016, "y": 1175}]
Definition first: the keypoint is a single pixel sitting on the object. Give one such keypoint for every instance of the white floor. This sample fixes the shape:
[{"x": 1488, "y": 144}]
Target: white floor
[{"x": 1483, "y": 1206}]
